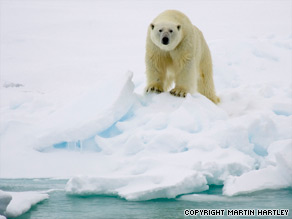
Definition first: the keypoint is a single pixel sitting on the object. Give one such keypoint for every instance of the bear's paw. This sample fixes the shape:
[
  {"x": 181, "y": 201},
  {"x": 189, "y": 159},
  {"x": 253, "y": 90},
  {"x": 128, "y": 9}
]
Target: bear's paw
[
  {"x": 179, "y": 92},
  {"x": 154, "y": 88}
]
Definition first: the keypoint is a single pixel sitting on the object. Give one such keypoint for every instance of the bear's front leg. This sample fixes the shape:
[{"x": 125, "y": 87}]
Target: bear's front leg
[
  {"x": 155, "y": 80},
  {"x": 185, "y": 80}
]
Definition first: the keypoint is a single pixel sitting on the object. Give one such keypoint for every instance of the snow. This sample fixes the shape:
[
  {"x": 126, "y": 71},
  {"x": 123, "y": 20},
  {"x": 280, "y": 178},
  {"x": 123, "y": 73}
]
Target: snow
[
  {"x": 278, "y": 174},
  {"x": 90, "y": 117},
  {"x": 17, "y": 203},
  {"x": 72, "y": 100}
]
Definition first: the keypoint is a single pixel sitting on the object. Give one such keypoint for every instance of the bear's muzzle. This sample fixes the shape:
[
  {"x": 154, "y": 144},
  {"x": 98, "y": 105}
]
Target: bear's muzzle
[{"x": 165, "y": 38}]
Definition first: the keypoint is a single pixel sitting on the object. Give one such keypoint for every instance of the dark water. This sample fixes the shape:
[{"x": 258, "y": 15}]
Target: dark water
[{"x": 60, "y": 205}]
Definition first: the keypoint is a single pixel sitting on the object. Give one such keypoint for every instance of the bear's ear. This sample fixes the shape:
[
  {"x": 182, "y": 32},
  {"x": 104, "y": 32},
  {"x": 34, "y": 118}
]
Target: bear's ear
[
  {"x": 152, "y": 26},
  {"x": 178, "y": 27}
]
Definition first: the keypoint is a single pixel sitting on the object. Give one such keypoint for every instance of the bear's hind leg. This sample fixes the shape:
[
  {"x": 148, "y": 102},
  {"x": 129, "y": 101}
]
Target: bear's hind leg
[{"x": 206, "y": 83}]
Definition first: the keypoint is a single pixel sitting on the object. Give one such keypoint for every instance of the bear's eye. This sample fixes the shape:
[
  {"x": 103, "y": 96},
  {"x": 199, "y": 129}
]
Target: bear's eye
[
  {"x": 152, "y": 26},
  {"x": 178, "y": 27},
  {"x": 160, "y": 30},
  {"x": 170, "y": 31}
]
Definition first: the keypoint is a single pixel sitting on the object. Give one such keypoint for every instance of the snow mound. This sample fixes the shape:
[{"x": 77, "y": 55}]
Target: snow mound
[
  {"x": 171, "y": 146},
  {"x": 19, "y": 202}
]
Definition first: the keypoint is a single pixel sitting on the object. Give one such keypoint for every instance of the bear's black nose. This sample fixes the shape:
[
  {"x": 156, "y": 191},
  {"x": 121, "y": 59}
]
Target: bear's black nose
[{"x": 165, "y": 40}]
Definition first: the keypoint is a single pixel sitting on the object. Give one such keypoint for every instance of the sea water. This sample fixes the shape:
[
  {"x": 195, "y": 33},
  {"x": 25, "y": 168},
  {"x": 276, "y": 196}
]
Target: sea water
[{"x": 62, "y": 205}]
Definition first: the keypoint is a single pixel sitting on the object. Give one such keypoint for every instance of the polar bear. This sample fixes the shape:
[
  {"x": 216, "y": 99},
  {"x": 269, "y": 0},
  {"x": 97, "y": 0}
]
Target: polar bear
[{"x": 176, "y": 51}]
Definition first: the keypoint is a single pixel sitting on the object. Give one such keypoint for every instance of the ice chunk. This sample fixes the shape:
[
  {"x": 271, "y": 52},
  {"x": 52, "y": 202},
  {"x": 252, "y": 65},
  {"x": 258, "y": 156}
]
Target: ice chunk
[
  {"x": 92, "y": 113},
  {"x": 5, "y": 199},
  {"x": 22, "y": 201},
  {"x": 138, "y": 188},
  {"x": 276, "y": 176}
]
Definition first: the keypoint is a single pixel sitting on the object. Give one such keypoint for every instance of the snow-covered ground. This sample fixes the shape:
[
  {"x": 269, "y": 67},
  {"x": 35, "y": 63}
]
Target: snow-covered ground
[{"x": 72, "y": 102}]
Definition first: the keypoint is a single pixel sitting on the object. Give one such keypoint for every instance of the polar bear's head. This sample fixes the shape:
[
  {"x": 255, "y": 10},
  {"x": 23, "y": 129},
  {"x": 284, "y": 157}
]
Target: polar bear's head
[{"x": 166, "y": 35}]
